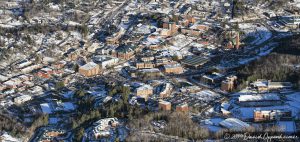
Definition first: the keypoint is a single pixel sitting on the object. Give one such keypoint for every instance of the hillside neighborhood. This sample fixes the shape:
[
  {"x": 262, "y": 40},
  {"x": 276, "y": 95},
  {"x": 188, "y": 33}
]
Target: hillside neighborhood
[{"x": 148, "y": 70}]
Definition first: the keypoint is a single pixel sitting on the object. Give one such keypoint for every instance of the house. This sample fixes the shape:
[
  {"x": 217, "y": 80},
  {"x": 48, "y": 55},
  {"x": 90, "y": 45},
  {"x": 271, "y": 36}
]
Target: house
[
  {"x": 89, "y": 69},
  {"x": 172, "y": 69},
  {"x": 271, "y": 115},
  {"x": 164, "y": 105},
  {"x": 49, "y": 134},
  {"x": 31, "y": 68},
  {"x": 182, "y": 107},
  {"x": 259, "y": 100}
]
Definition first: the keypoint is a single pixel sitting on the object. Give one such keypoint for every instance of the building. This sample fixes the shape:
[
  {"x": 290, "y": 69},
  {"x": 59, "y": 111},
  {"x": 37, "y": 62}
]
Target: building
[
  {"x": 212, "y": 79},
  {"x": 259, "y": 100},
  {"x": 126, "y": 51},
  {"x": 229, "y": 84},
  {"x": 234, "y": 124},
  {"x": 173, "y": 69},
  {"x": 164, "y": 105},
  {"x": 154, "y": 72},
  {"x": 105, "y": 61},
  {"x": 161, "y": 61},
  {"x": 144, "y": 65},
  {"x": 182, "y": 107},
  {"x": 291, "y": 21},
  {"x": 103, "y": 127},
  {"x": 114, "y": 39},
  {"x": 232, "y": 39},
  {"x": 21, "y": 99},
  {"x": 51, "y": 134},
  {"x": 279, "y": 85},
  {"x": 193, "y": 32},
  {"x": 271, "y": 115},
  {"x": 166, "y": 90},
  {"x": 144, "y": 91},
  {"x": 267, "y": 85},
  {"x": 89, "y": 69},
  {"x": 194, "y": 61}
]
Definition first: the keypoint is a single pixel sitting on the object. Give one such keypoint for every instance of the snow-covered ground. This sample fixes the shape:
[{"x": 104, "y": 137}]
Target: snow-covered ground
[
  {"x": 8, "y": 138},
  {"x": 259, "y": 34}
]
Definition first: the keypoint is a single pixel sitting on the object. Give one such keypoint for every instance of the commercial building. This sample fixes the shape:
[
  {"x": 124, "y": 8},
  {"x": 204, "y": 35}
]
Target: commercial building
[
  {"x": 89, "y": 69},
  {"x": 271, "y": 115},
  {"x": 212, "y": 79},
  {"x": 194, "y": 61},
  {"x": 234, "y": 124},
  {"x": 259, "y": 100}
]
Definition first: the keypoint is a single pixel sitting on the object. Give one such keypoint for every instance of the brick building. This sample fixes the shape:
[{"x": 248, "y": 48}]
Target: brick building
[
  {"x": 182, "y": 107},
  {"x": 89, "y": 69},
  {"x": 164, "y": 105},
  {"x": 271, "y": 115},
  {"x": 173, "y": 69},
  {"x": 229, "y": 84}
]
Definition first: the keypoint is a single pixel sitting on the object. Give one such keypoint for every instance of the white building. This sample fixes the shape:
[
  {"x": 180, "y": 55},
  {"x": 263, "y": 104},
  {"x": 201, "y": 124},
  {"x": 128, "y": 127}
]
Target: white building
[{"x": 22, "y": 99}]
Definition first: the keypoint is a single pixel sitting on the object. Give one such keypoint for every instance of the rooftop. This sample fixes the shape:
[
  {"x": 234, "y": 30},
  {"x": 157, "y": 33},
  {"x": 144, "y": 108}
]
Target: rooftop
[
  {"x": 195, "y": 61},
  {"x": 89, "y": 66},
  {"x": 261, "y": 97}
]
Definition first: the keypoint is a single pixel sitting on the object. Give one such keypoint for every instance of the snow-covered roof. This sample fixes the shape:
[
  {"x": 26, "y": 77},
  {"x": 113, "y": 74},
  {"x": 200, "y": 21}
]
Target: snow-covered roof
[
  {"x": 233, "y": 123},
  {"x": 46, "y": 108},
  {"x": 261, "y": 97}
]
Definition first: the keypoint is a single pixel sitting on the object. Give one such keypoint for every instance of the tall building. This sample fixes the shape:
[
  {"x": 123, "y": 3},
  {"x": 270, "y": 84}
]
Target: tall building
[{"x": 228, "y": 84}]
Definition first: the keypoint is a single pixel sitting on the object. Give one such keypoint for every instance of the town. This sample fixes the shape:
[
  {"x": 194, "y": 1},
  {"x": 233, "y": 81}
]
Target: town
[{"x": 148, "y": 70}]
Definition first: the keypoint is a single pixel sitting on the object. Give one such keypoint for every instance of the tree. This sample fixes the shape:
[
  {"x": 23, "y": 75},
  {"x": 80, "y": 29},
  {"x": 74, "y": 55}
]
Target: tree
[
  {"x": 80, "y": 93},
  {"x": 59, "y": 85},
  {"x": 78, "y": 135},
  {"x": 76, "y": 67}
]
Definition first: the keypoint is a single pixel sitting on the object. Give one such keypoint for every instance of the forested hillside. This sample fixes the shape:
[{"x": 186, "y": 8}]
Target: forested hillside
[{"x": 282, "y": 64}]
